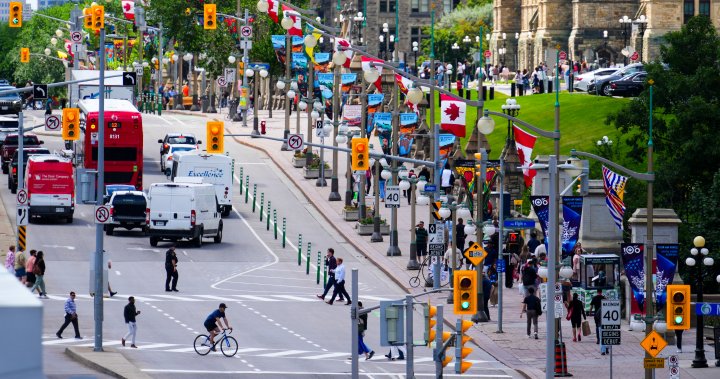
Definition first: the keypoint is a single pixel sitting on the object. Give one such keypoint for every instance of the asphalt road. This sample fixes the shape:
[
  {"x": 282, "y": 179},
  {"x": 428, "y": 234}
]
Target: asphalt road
[{"x": 283, "y": 330}]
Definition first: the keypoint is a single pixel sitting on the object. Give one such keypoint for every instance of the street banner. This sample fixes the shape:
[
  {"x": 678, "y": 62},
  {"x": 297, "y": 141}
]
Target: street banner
[
  {"x": 299, "y": 63},
  {"x": 541, "y": 207},
  {"x": 447, "y": 141},
  {"x": 352, "y": 115},
  {"x": 524, "y": 143},
  {"x": 342, "y": 42},
  {"x": 572, "y": 216},
  {"x": 347, "y": 81},
  {"x": 322, "y": 62},
  {"x": 632, "y": 256},
  {"x": 465, "y": 170},
  {"x": 408, "y": 124},
  {"x": 667, "y": 260},
  {"x": 614, "y": 185},
  {"x": 383, "y": 126},
  {"x": 326, "y": 84},
  {"x": 374, "y": 102},
  {"x": 309, "y": 29},
  {"x": 367, "y": 64},
  {"x": 278, "y": 42}
]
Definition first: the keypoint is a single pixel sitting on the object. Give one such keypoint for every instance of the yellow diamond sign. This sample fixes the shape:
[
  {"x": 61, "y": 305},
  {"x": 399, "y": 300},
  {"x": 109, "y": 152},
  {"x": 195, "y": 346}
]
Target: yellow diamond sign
[
  {"x": 653, "y": 343},
  {"x": 475, "y": 254}
]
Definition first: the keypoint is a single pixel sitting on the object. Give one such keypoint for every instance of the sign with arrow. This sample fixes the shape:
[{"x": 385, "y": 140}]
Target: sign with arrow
[
  {"x": 76, "y": 37},
  {"x": 129, "y": 78},
  {"x": 52, "y": 122},
  {"x": 40, "y": 91},
  {"x": 475, "y": 253}
]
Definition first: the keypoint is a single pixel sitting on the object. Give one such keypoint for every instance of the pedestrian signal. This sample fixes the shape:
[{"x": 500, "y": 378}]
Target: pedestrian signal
[
  {"x": 360, "y": 154},
  {"x": 210, "y": 19},
  {"x": 678, "y": 307},
  {"x": 70, "y": 124},
  {"x": 24, "y": 55},
  {"x": 16, "y": 14},
  {"x": 215, "y": 137},
  {"x": 465, "y": 292}
]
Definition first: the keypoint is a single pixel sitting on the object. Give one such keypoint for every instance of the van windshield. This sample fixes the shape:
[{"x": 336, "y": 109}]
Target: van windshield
[{"x": 50, "y": 182}]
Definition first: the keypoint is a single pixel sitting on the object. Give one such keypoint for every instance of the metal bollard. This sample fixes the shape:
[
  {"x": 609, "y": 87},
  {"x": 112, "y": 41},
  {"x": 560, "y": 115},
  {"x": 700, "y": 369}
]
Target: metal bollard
[
  {"x": 268, "y": 217},
  {"x": 283, "y": 233},
  {"x": 275, "y": 222},
  {"x": 307, "y": 263},
  {"x": 254, "y": 196},
  {"x": 262, "y": 204},
  {"x": 299, "y": 249},
  {"x": 247, "y": 188},
  {"x": 317, "y": 275},
  {"x": 325, "y": 273},
  {"x": 241, "y": 180}
]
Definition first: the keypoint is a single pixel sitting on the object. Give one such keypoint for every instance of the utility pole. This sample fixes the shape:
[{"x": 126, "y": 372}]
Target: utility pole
[
  {"x": 244, "y": 70},
  {"x": 99, "y": 280}
]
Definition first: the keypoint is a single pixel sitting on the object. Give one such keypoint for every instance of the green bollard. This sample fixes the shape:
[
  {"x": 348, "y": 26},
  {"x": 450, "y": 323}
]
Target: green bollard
[
  {"x": 159, "y": 107},
  {"x": 241, "y": 180},
  {"x": 283, "y": 233},
  {"x": 262, "y": 204},
  {"x": 317, "y": 275},
  {"x": 275, "y": 222},
  {"x": 307, "y": 263},
  {"x": 299, "y": 249},
  {"x": 268, "y": 217},
  {"x": 247, "y": 189},
  {"x": 254, "y": 196},
  {"x": 325, "y": 272}
]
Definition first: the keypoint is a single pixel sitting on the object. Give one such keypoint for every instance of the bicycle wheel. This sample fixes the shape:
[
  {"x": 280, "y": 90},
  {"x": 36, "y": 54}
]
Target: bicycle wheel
[
  {"x": 200, "y": 346},
  {"x": 414, "y": 281},
  {"x": 229, "y": 346}
]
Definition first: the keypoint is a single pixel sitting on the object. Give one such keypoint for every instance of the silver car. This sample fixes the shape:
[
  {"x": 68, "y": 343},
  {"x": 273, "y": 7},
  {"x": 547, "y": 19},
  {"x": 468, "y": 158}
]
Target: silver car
[{"x": 582, "y": 81}]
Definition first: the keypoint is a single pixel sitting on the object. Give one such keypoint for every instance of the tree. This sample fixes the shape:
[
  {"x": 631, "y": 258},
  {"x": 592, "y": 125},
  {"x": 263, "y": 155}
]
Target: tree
[{"x": 453, "y": 27}]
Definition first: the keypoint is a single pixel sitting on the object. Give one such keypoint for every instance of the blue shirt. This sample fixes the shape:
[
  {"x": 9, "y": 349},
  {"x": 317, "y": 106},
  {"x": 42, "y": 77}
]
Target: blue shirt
[
  {"x": 340, "y": 272},
  {"x": 214, "y": 316},
  {"x": 70, "y": 306}
]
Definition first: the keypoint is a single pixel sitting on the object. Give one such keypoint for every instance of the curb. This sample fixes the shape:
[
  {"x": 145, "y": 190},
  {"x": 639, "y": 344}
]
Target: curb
[{"x": 109, "y": 362}]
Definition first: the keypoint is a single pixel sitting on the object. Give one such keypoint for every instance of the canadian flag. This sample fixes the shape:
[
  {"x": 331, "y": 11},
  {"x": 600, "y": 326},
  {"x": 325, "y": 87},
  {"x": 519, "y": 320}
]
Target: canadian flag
[
  {"x": 128, "y": 8},
  {"x": 453, "y": 114},
  {"x": 273, "y": 10},
  {"x": 367, "y": 65},
  {"x": 296, "y": 29},
  {"x": 524, "y": 143},
  {"x": 348, "y": 53},
  {"x": 404, "y": 85}
]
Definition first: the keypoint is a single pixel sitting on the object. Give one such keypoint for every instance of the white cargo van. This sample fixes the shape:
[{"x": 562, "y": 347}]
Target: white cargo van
[
  {"x": 185, "y": 209},
  {"x": 215, "y": 169}
]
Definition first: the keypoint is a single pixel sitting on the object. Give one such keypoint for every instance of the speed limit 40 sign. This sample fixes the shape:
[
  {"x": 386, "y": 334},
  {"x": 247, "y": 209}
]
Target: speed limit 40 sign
[
  {"x": 610, "y": 322},
  {"x": 392, "y": 197}
]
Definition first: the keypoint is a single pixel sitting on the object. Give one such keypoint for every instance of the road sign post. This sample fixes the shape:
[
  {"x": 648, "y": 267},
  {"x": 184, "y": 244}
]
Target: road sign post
[
  {"x": 610, "y": 326},
  {"x": 295, "y": 141},
  {"x": 52, "y": 123}
]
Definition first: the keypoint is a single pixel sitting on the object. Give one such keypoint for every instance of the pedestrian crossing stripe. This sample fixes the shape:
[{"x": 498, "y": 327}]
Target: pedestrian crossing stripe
[{"x": 214, "y": 298}]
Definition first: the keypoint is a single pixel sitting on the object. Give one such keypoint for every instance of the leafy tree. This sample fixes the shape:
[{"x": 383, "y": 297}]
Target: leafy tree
[{"x": 453, "y": 27}]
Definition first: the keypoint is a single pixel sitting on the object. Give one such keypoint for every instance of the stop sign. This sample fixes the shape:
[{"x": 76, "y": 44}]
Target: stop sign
[
  {"x": 487, "y": 54},
  {"x": 563, "y": 55}
]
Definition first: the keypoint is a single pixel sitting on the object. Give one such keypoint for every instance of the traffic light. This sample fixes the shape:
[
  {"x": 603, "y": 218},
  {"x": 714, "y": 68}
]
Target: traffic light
[
  {"x": 465, "y": 292},
  {"x": 70, "y": 121},
  {"x": 98, "y": 17},
  {"x": 360, "y": 158},
  {"x": 460, "y": 351},
  {"x": 678, "y": 307},
  {"x": 431, "y": 325},
  {"x": 24, "y": 55},
  {"x": 215, "y": 137},
  {"x": 16, "y": 13},
  {"x": 210, "y": 19},
  {"x": 88, "y": 18}
]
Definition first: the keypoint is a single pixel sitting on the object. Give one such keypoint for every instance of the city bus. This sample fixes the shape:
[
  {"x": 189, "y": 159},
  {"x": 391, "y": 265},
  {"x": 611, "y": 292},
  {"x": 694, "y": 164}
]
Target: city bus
[{"x": 123, "y": 140}]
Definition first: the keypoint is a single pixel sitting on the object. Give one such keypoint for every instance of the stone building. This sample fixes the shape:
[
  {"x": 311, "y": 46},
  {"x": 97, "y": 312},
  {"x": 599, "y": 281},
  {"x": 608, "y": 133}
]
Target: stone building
[{"x": 531, "y": 27}]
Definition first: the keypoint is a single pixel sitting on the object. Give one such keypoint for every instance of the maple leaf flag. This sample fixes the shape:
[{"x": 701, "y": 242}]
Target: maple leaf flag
[
  {"x": 453, "y": 114},
  {"x": 348, "y": 53},
  {"x": 296, "y": 29},
  {"x": 524, "y": 143},
  {"x": 128, "y": 8},
  {"x": 273, "y": 10},
  {"x": 367, "y": 65}
]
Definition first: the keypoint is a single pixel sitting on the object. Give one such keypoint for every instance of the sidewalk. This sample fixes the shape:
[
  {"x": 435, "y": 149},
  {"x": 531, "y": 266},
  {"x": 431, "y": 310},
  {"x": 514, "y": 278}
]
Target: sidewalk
[{"x": 512, "y": 347}]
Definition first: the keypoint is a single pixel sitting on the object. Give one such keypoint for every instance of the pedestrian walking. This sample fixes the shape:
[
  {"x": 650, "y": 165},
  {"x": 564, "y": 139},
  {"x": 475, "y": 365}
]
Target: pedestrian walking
[
  {"x": 331, "y": 264},
  {"x": 460, "y": 235},
  {"x": 396, "y": 353},
  {"x": 29, "y": 267},
  {"x": 576, "y": 311},
  {"x": 340, "y": 283},
  {"x": 528, "y": 277},
  {"x": 533, "y": 242},
  {"x": 39, "y": 271},
  {"x": 532, "y": 308},
  {"x": 421, "y": 239},
  {"x": 493, "y": 276},
  {"x": 595, "y": 307},
  {"x": 171, "y": 272},
  {"x": 129, "y": 313},
  {"x": 487, "y": 290},
  {"x": 10, "y": 260},
  {"x": 20, "y": 266},
  {"x": 362, "y": 327},
  {"x": 447, "y": 179},
  {"x": 70, "y": 317}
]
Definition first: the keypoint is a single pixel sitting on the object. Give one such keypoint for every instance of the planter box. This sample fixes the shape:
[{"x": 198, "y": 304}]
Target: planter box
[
  {"x": 351, "y": 215},
  {"x": 367, "y": 230},
  {"x": 315, "y": 173},
  {"x": 299, "y": 162}
]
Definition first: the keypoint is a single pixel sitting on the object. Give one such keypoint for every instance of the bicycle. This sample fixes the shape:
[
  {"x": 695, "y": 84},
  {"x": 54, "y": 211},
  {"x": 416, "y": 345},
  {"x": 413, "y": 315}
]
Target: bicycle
[
  {"x": 415, "y": 280},
  {"x": 228, "y": 344}
]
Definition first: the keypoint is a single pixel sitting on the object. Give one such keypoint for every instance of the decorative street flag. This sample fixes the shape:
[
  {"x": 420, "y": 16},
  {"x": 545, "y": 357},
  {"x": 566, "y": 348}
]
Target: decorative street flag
[
  {"x": 348, "y": 53},
  {"x": 296, "y": 29},
  {"x": 128, "y": 8},
  {"x": 632, "y": 257},
  {"x": 452, "y": 118},
  {"x": 309, "y": 29},
  {"x": 273, "y": 10},
  {"x": 524, "y": 143},
  {"x": 366, "y": 66},
  {"x": 404, "y": 84},
  {"x": 614, "y": 191},
  {"x": 572, "y": 215}
]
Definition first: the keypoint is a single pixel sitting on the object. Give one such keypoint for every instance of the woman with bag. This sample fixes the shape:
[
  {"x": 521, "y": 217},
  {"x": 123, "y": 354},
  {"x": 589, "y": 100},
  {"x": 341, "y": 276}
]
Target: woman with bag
[
  {"x": 20, "y": 266},
  {"x": 576, "y": 310},
  {"x": 39, "y": 271}
]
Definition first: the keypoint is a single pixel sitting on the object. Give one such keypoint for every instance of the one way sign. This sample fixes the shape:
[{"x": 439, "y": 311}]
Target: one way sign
[
  {"x": 129, "y": 78},
  {"x": 40, "y": 91}
]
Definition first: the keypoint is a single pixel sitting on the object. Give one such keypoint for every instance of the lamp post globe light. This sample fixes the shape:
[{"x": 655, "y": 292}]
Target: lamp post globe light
[
  {"x": 415, "y": 51},
  {"x": 641, "y": 22},
  {"x": 699, "y": 258},
  {"x": 625, "y": 22}
]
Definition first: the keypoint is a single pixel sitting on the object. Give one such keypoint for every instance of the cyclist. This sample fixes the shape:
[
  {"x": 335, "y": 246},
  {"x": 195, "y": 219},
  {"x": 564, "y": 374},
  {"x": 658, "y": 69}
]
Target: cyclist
[{"x": 213, "y": 321}]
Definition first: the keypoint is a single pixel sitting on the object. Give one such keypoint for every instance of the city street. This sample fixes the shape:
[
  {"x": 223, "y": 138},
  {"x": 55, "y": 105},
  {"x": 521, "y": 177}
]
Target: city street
[{"x": 281, "y": 327}]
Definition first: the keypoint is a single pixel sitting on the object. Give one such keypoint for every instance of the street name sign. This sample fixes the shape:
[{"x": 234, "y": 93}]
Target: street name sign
[{"x": 437, "y": 249}]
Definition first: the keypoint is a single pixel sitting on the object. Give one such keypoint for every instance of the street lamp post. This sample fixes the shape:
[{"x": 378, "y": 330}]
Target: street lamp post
[
  {"x": 642, "y": 24},
  {"x": 339, "y": 59},
  {"x": 415, "y": 51},
  {"x": 455, "y": 47},
  {"x": 697, "y": 252},
  {"x": 413, "y": 263},
  {"x": 385, "y": 39},
  {"x": 287, "y": 24},
  {"x": 625, "y": 22},
  {"x": 605, "y": 39},
  {"x": 502, "y": 53},
  {"x": 250, "y": 73},
  {"x": 517, "y": 48}
]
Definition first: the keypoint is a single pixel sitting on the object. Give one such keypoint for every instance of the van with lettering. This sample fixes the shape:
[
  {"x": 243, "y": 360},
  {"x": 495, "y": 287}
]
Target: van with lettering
[
  {"x": 50, "y": 184},
  {"x": 215, "y": 169}
]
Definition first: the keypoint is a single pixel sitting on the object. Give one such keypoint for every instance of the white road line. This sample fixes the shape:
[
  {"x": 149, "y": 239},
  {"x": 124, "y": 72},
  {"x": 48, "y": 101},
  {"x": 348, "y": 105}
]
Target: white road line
[
  {"x": 256, "y": 298},
  {"x": 59, "y": 341},
  {"x": 250, "y": 349},
  {"x": 175, "y": 297},
  {"x": 211, "y": 297},
  {"x": 105, "y": 343},
  {"x": 298, "y": 298},
  {"x": 176, "y": 120},
  {"x": 156, "y": 345},
  {"x": 283, "y": 353},
  {"x": 160, "y": 117},
  {"x": 308, "y": 373},
  {"x": 181, "y": 350},
  {"x": 117, "y": 273},
  {"x": 323, "y": 356}
]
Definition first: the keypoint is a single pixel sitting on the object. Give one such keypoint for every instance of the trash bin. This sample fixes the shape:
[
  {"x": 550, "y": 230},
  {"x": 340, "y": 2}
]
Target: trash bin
[
  {"x": 512, "y": 89},
  {"x": 484, "y": 93},
  {"x": 205, "y": 102},
  {"x": 492, "y": 93},
  {"x": 550, "y": 86}
]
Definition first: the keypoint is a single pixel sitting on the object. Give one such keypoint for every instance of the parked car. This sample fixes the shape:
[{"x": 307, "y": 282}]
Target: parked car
[
  {"x": 629, "y": 85},
  {"x": 166, "y": 162},
  {"x": 601, "y": 85},
  {"x": 176, "y": 138},
  {"x": 128, "y": 209},
  {"x": 10, "y": 103},
  {"x": 10, "y": 144},
  {"x": 13, "y": 172},
  {"x": 582, "y": 81},
  {"x": 7, "y": 125}
]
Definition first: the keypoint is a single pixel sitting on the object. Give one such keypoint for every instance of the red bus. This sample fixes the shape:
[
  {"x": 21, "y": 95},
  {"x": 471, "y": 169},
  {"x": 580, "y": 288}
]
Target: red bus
[{"x": 123, "y": 140}]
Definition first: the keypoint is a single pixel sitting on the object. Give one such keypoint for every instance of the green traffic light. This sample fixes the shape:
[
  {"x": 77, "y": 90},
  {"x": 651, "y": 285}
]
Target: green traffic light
[
  {"x": 15, "y": 21},
  {"x": 678, "y": 320},
  {"x": 465, "y": 305}
]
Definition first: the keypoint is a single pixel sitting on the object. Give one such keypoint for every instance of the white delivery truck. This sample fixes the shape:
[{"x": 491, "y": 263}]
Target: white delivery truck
[
  {"x": 186, "y": 209},
  {"x": 114, "y": 88},
  {"x": 215, "y": 169}
]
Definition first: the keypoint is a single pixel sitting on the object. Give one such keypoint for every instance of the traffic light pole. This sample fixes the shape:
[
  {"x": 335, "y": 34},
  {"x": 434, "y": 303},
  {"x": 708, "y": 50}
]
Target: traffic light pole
[
  {"x": 98, "y": 299},
  {"x": 21, "y": 159}
]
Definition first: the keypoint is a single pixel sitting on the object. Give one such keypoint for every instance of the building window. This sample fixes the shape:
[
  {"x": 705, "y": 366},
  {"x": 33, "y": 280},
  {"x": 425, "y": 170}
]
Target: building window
[
  {"x": 704, "y": 8},
  {"x": 688, "y": 10},
  {"x": 387, "y": 6},
  {"x": 419, "y": 6},
  {"x": 416, "y": 34}
]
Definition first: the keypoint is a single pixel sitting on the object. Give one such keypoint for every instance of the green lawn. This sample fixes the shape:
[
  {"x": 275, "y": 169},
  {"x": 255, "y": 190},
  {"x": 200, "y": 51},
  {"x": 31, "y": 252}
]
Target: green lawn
[{"x": 582, "y": 120}]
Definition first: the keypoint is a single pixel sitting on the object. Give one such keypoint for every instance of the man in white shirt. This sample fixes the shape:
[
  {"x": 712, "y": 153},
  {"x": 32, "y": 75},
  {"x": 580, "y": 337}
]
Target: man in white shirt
[
  {"x": 340, "y": 283},
  {"x": 446, "y": 179}
]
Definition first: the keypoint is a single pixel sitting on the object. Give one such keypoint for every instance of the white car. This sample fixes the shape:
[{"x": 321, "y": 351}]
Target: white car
[
  {"x": 582, "y": 81},
  {"x": 167, "y": 158}
]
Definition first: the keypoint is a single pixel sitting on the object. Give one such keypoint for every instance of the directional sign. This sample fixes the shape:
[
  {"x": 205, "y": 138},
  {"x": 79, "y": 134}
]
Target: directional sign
[
  {"x": 76, "y": 37},
  {"x": 22, "y": 216},
  {"x": 129, "y": 78},
  {"x": 230, "y": 75},
  {"x": 22, "y": 197},
  {"x": 519, "y": 223},
  {"x": 653, "y": 344},
  {"x": 436, "y": 249},
  {"x": 102, "y": 214},
  {"x": 654, "y": 362},
  {"x": 139, "y": 71},
  {"x": 475, "y": 254},
  {"x": 295, "y": 141},
  {"x": 40, "y": 91},
  {"x": 436, "y": 232},
  {"x": 430, "y": 188},
  {"x": 221, "y": 81},
  {"x": 245, "y": 44},
  {"x": 392, "y": 196},
  {"x": 52, "y": 122},
  {"x": 707, "y": 309},
  {"x": 246, "y": 31},
  {"x": 563, "y": 55}
]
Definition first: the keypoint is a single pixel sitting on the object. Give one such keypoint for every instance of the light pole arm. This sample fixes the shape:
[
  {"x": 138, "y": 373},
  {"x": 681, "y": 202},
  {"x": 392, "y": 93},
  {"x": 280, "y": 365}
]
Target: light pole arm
[
  {"x": 544, "y": 133},
  {"x": 316, "y": 24},
  {"x": 296, "y": 8},
  {"x": 647, "y": 177},
  {"x": 54, "y": 18}
]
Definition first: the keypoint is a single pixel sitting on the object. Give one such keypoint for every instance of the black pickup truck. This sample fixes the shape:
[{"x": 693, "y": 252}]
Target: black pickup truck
[
  {"x": 10, "y": 144},
  {"x": 127, "y": 210}
]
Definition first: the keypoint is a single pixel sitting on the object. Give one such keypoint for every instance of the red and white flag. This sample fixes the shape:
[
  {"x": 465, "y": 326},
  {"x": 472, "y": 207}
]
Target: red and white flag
[
  {"x": 273, "y": 10},
  {"x": 524, "y": 143},
  {"x": 296, "y": 29},
  {"x": 348, "y": 53},
  {"x": 68, "y": 47},
  {"x": 404, "y": 84},
  {"x": 453, "y": 114},
  {"x": 128, "y": 8},
  {"x": 367, "y": 65}
]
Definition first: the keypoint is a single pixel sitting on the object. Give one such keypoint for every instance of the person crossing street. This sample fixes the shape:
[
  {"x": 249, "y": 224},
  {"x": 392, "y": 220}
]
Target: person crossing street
[
  {"x": 331, "y": 264},
  {"x": 340, "y": 283},
  {"x": 130, "y": 313},
  {"x": 70, "y": 317}
]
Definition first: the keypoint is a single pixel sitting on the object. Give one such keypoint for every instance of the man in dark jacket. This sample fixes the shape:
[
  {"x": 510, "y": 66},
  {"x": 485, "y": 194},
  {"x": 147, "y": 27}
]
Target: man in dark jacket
[
  {"x": 129, "y": 313},
  {"x": 460, "y": 236},
  {"x": 171, "y": 272},
  {"x": 331, "y": 264},
  {"x": 533, "y": 242},
  {"x": 421, "y": 239},
  {"x": 487, "y": 288}
]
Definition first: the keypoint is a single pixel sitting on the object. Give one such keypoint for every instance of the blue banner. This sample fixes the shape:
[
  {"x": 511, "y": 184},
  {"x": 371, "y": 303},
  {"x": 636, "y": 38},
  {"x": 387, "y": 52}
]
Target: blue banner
[
  {"x": 347, "y": 81},
  {"x": 326, "y": 84},
  {"x": 572, "y": 215},
  {"x": 667, "y": 259},
  {"x": 299, "y": 62},
  {"x": 408, "y": 124},
  {"x": 374, "y": 102},
  {"x": 447, "y": 141},
  {"x": 322, "y": 62},
  {"x": 632, "y": 256},
  {"x": 541, "y": 207},
  {"x": 383, "y": 123}
]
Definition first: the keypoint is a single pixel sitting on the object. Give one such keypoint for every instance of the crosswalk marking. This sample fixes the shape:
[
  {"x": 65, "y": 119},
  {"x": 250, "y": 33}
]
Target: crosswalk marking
[
  {"x": 110, "y": 343},
  {"x": 250, "y": 349},
  {"x": 174, "y": 297},
  {"x": 153, "y": 298},
  {"x": 156, "y": 346},
  {"x": 283, "y": 353},
  {"x": 328, "y": 355},
  {"x": 297, "y": 298},
  {"x": 258, "y": 298},
  {"x": 181, "y": 350}
]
